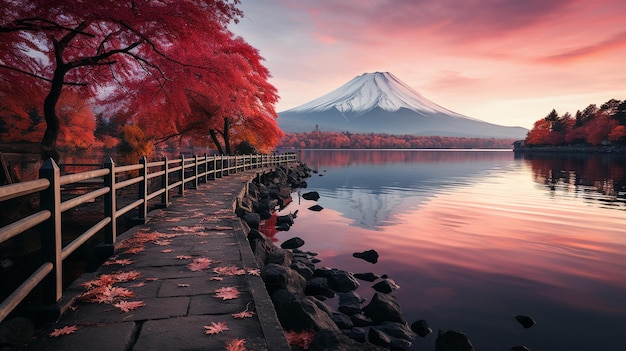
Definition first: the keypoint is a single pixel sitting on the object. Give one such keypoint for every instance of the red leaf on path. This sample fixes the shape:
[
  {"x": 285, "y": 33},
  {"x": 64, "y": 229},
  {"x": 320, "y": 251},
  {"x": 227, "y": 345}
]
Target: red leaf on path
[
  {"x": 63, "y": 331},
  {"x": 167, "y": 251},
  {"x": 135, "y": 249},
  {"x": 236, "y": 345},
  {"x": 126, "y": 306},
  {"x": 162, "y": 242},
  {"x": 227, "y": 293},
  {"x": 243, "y": 314},
  {"x": 229, "y": 270},
  {"x": 183, "y": 285},
  {"x": 254, "y": 271},
  {"x": 216, "y": 278},
  {"x": 121, "y": 277},
  {"x": 199, "y": 264},
  {"x": 184, "y": 257},
  {"x": 215, "y": 328},
  {"x": 120, "y": 262}
]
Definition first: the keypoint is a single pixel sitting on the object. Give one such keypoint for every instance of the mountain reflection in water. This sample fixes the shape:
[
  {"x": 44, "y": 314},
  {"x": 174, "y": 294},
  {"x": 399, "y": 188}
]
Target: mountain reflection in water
[{"x": 476, "y": 237}]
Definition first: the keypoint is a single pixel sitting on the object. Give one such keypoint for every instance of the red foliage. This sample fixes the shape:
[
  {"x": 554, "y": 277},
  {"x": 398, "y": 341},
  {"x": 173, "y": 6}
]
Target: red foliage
[
  {"x": 158, "y": 62},
  {"x": 337, "y": 140}
]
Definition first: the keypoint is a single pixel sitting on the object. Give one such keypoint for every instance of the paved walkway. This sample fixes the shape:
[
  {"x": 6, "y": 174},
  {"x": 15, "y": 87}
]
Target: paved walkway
[{"x": 179, "y": 272}]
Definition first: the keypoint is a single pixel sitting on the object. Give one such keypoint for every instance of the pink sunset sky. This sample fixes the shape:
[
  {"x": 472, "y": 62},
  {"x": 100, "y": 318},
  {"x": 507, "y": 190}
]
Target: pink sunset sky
[{"x": 507, "y": 62}]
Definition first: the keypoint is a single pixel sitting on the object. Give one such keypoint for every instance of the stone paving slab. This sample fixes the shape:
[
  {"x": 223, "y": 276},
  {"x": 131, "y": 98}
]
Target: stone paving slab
[{"x": 178, "y": 298}]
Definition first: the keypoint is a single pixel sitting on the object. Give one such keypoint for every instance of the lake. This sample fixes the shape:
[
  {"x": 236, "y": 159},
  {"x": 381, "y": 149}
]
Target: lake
[{"x": 476, "y": 237}]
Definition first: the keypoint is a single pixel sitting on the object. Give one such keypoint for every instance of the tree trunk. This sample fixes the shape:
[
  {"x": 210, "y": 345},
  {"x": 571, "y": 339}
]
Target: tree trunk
[
  {"x": 216, "y": 141},
  {"x": 49, "y": 141},
  {"x": 226, "y": 135}
]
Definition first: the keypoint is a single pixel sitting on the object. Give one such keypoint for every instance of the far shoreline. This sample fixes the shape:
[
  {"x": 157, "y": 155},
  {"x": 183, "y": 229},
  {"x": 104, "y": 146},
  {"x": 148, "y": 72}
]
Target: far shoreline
[{"x": 621, "y": 150}]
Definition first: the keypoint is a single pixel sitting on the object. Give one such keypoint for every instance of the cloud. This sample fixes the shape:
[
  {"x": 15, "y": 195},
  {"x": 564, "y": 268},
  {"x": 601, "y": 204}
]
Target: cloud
[{"x": 614, "y": 43}]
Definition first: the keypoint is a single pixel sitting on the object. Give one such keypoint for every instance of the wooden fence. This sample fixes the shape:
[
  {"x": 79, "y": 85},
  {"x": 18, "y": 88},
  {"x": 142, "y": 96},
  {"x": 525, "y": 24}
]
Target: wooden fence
[{"x": 174, "y": 175}]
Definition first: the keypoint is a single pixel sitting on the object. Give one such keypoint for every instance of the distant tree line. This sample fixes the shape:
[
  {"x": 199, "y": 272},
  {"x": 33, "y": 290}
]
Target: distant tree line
[
  {"x": 347, "y": 140},
  {"x": 592, "y": 126}
]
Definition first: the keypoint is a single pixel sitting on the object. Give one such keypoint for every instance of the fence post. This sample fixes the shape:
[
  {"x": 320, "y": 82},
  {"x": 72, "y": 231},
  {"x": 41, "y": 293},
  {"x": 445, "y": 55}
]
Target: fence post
[
  {"x": 110, "y": 206},
  {"x": 51, "y": 244},
  {"x": 206, "y": 168},
  {"x": 195, "y": 172},
  {"x": 219, "y": 166},
  {"x": 143, "y": 191},
  {"x": 181, "y": 188},
  {"x": 165, "y": 183}
]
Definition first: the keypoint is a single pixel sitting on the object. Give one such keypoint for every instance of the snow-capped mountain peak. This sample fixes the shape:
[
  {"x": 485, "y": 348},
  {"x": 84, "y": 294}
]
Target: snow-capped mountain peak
[{"x": 370, "y": 90}]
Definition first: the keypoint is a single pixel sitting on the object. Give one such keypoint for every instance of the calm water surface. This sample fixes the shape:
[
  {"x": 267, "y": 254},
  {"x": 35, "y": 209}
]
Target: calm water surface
[{"x": 476, "y": 237}]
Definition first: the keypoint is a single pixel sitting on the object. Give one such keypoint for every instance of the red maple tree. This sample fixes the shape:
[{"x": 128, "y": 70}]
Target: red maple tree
[{"x": 134, "y": 57}]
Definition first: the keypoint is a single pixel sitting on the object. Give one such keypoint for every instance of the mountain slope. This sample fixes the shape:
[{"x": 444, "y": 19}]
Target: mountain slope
[{"x": 381, "y": 103}]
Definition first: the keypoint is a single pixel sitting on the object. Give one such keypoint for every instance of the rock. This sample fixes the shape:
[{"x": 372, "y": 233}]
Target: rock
[
  {"x": 303, "y": 185},
  {"x": 284, "y": 219},
  {"x": 368, "y": 277},
  {"x": 379, "y": 338},
  {"x": 370, "y": 256},
  {"x": 292, "y": 243},
  {"x": 318, "y": 286},
  {"x": 298, "y": 313},
  {"x": 360, "y": 320},
  {"x": 252, "y": 219},
  {"x": 520, "y": 348},
  {"x": 316, "y": 260},
  {"x": 277, "y": 277},
  {"x": 311, "y": 195},
  {"x": 356, "y": 334},
  {"x": 421, "y": 327},
  {"x": 338, "y": 341},
  {"x": 384, "y": 307},
  {"x": 341, "y": 320},
  {"x": 311, "y": 253},
  {"x": 279, "y": 256},
  {"x": 316, "y": 208},
  {"x": 349, "y": 303},
  {"x": 525, "y": 321},
  {"x": 396, "y": 330},
  {"x": 338, "y": 280},
  {"x": 452, "y": 340},
  {"x": 283, "y": 227},
  {"x": 265, "y": 215},
  {"x": 385, "y": 286},
  {"x": 305, "y": 271},
  {"x": 261, "y": 246}
]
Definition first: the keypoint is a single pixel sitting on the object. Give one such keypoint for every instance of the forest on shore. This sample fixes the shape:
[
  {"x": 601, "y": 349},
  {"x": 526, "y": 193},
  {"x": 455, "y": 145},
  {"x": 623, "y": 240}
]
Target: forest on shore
[{"x": 593, "y": 126}]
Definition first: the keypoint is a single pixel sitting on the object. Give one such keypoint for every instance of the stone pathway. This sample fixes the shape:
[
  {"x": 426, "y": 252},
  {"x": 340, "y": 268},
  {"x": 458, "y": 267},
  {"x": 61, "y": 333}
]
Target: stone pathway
[{"x": 189, "y": 267}]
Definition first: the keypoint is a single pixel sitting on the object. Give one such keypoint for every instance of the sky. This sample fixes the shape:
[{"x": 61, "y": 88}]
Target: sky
[{"x": 508, "y": 62}]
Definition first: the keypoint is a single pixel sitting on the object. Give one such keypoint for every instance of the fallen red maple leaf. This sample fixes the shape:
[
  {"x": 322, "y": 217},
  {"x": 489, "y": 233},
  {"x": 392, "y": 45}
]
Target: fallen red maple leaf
[
  {"x": 63, "y": 331},
  {"x": 229, "y": 270},
  {"x": 121, "y": 262},
  {"x": 215, "y": 328},
  {"x": 227, "y": 293},
  {"x": 199, "y": 264},
  {"x": 236, "y": 345},
  {"x": 243, "y": 314},
  {"x": 126, "y": 306}
]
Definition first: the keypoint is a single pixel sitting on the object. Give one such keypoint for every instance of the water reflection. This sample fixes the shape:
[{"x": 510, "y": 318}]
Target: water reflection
[
  {"x": 597, "y": 177},
  {"x": 474, "y": 240},
  {"x": 370, "y": 187}
]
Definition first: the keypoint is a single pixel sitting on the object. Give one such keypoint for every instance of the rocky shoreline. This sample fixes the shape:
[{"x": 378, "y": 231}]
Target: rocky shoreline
[{"x": 299, "y": 289}]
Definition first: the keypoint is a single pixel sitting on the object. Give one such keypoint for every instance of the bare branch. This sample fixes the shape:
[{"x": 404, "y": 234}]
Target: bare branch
[{"x": 30, "y": 74}]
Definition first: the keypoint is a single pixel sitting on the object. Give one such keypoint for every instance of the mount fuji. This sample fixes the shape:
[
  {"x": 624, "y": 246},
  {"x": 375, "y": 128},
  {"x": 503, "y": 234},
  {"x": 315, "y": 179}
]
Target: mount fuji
[{"x": 381, "y": 103}]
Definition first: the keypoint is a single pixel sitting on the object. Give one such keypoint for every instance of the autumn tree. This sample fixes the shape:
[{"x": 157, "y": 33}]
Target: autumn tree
[{"x": 57, "y": 43}]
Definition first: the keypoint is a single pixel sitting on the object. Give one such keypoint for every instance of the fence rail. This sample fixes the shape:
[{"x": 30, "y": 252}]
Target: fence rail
[{"x": 174, "y": 174}]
